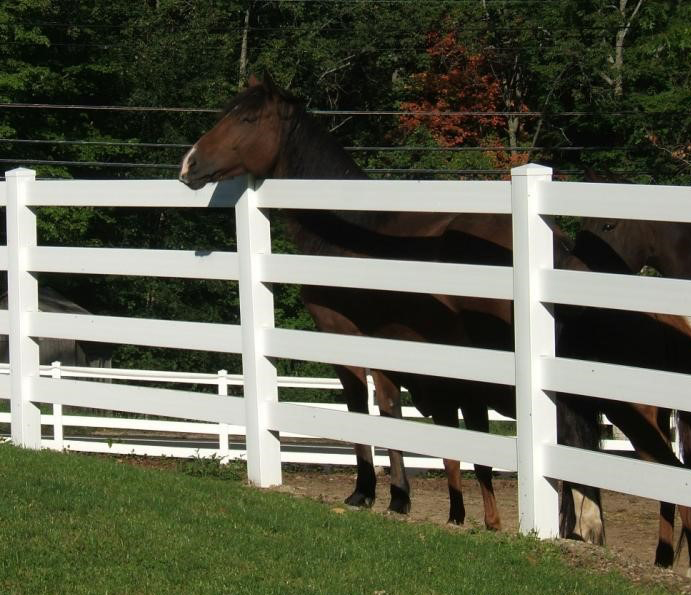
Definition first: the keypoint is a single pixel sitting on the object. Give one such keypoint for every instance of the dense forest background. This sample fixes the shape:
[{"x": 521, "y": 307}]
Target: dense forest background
[{"x": 461, "y": 89}]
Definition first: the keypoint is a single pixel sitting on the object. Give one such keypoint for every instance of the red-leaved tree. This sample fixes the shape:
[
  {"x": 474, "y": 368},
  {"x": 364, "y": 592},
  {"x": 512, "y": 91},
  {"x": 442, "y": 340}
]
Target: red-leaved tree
[{"x": 460, "y": 80}]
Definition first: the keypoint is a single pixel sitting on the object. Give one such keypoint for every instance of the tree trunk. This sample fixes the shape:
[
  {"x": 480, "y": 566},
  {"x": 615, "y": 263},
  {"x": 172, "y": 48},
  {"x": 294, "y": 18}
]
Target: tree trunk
[
  {"x": 617, "y": 78},
  {"x": 242, "y": 74}
]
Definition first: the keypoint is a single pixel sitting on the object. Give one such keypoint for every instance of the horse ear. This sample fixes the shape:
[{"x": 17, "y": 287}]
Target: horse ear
[
  {"x": 269, "y": 84},
  {"x": 253, "y": 81}
]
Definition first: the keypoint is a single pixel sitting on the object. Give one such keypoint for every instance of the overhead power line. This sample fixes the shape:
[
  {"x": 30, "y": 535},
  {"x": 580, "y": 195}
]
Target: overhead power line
[
  {"x": 320, "y": 112},
  {"x": 382, "y": 171},
  {"x": 404, "y": 148}
]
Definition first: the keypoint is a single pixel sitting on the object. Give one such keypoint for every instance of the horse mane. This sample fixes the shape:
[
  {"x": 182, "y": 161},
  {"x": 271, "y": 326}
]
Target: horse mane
[{"x": 308, "y": 151}]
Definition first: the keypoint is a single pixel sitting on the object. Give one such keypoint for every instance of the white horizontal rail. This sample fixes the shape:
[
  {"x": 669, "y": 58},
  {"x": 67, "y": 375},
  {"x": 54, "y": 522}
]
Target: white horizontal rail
[
  {"x": 616, "y": 201},
  {"x": 139, "y": 399},
  {"x": 201, "y": 336},
  {"x": 134, "y": 193},
  {"x": 387, "y": 195},
  {"x": 141, "y": 425},
  {"x": 617, "y": 382},
  {"x": 393, "y": 275},
  {"x": 290, "y": 456},
  {"x": 485, "y": 365},
  {"x": 435, "y": 441},
  {"x": 187, "y": 264},
  {"x": 612, "y": 472},
  {"x": 620, "y": 292}
]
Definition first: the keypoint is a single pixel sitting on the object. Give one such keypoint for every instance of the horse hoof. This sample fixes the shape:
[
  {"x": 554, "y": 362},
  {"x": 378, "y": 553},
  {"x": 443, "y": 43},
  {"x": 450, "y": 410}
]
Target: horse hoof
[
  {"x": 664, "y": 555},
  {"x": 359, "y": 500},
  {"x": 455, "y": 522},
  {"x": 399, "y": 506}
]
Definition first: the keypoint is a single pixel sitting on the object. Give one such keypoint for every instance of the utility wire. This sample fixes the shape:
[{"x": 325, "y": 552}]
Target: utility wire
[
  {"x": 401, "y": 171},
  {"x": 362, "y": 149},
  {"x": 319, "y": 112}
]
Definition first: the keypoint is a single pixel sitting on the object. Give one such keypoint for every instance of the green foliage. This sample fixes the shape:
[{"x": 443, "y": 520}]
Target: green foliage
[
  {"x": 556, "y": 57},
  {"x": 213, "y": 467}
]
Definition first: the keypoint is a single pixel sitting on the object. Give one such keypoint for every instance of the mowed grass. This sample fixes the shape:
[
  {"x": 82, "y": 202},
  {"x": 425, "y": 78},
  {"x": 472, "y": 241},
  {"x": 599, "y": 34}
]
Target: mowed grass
[{"x": 78, "y": 524}]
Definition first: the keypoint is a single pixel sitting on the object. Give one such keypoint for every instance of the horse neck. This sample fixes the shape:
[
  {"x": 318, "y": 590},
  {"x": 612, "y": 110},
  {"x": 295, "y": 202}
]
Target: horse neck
[
  {"x": 308, "y": 152},
  {"x": 598, "y": 255},
  {"x": 670, "y": 248}
]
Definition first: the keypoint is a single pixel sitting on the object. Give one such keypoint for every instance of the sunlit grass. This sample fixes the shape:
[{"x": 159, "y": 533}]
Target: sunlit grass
[{"x": 77, "y": 524}]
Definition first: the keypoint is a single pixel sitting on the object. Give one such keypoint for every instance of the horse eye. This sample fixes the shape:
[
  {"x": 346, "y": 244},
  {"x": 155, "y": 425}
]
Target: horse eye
[
  {"x": 608, "y": 226},
  {"x": 249, "y": 118}
]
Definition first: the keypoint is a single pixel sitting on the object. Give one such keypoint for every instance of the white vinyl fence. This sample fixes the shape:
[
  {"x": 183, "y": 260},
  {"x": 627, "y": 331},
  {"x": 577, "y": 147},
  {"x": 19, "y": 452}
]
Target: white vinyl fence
[
  {"x": 532, "y": 283},
  {"x": 144, "y": 436}
]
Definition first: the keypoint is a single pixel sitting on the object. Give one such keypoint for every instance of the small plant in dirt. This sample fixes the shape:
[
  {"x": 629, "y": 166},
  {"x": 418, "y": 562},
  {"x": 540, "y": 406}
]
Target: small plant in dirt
[{"x": 215, "y": 467}]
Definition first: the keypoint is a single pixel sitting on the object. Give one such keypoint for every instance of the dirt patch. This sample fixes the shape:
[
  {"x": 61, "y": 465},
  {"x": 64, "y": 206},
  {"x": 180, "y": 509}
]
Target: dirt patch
[{"x": 631, "y": 523}]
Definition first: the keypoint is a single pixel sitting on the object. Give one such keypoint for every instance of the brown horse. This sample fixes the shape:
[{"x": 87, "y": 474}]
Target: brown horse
[{"x": 266, "y": 132}]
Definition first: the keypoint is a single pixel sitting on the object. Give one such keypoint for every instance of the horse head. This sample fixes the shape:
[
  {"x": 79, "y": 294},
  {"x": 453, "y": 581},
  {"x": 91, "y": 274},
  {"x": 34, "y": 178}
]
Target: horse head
[
  {"x": 246, "y": 139},
  {"x": 633, "y": 241}
]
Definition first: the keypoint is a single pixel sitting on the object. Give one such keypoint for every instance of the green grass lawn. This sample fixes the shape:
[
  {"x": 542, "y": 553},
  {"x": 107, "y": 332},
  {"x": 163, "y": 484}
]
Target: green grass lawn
[{"x": 77, "y": 524}]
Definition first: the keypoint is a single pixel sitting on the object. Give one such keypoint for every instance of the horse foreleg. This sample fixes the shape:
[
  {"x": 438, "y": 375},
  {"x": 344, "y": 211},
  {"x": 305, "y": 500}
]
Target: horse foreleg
[
  {"x": 448, "y": 416},
  {"x": 476, "y": 418},
  {"x": 664, "y": 553},
  {"x": 388, "y": 395},
  {"x": 354, "y": 381},
  {"x": 581, "y": 509}
]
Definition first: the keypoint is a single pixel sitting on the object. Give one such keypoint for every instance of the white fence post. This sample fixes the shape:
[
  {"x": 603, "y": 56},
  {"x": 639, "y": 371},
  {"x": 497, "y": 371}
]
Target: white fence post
[
  {"x": 257, "y": 315},
  {"x": 223, "y": 450},
  {"x": 58, "y": 433},
  {"x": 534, "y": 338},
  {"x": 22, "y": 298}
]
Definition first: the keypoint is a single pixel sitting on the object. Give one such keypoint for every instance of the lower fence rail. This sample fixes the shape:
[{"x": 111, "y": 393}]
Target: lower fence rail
[{"x": 199, "y": 439}]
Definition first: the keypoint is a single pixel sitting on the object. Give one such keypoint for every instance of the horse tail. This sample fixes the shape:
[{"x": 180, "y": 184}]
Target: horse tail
[{"x": 581, "y": 508}]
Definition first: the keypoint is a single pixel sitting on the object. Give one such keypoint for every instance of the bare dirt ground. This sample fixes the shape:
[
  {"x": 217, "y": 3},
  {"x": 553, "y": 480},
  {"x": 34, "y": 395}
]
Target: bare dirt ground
[{"x": 631, "y": 523}]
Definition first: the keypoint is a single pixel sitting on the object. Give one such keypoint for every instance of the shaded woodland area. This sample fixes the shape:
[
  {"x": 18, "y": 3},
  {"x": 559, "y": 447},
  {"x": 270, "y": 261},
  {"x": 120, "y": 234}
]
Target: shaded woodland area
[{"x": 461, "y": 89}]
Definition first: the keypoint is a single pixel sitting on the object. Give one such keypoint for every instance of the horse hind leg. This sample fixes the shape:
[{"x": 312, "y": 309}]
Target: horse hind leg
[
  {"x": 388, "y": 395},
  {"x": 354, "y": 381}
]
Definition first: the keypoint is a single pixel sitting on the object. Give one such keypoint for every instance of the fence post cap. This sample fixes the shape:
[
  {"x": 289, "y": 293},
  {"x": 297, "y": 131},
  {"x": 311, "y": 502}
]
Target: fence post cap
[
  {"x": 531, "y": 169},
  {"x": 20, "y": 172}
]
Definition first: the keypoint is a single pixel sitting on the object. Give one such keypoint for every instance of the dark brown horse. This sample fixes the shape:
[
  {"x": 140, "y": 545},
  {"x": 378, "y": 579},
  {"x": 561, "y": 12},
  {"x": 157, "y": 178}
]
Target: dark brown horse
[
  {"x": 266, "y": 132},
  {"x": 648, "y": 430},
  {"x": 662, "y": 245},
  {"x": 270, "y": 135},
  {"x": 627, "y": 246}
]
